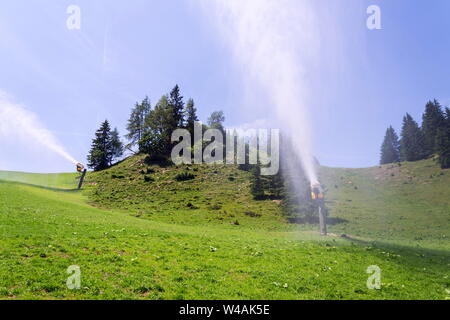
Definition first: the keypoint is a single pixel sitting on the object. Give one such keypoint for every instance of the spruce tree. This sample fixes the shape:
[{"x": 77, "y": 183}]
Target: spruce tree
[
  {"x": 412, "y": 141},
  {"x": 176, "y": 105},
  {"x": 443, "y": 142},
  {"x": 191, "y": 116},
  {"x": 433, "y": 120},
  {"x": 136, "y": 123},
  {"x": 100, "y": 155},
  {"x": 116, "y": 145},
  {"x": 390, "y": 149},
  {"x": 257, "y": 189},
  {"x": 276, "y": 185},
  {"x": 297, "y": 203}
]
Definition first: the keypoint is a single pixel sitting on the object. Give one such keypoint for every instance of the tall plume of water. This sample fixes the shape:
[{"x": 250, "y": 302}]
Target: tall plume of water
[
  {"x": 22, "y": 126},
  {"x": 275, "y": 41}
]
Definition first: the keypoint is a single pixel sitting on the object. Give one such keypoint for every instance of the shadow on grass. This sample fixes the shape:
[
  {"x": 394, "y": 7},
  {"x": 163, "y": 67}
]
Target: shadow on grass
[
  {"x": 421, "y": 254},
  {"x": 39, "y": 186},
  {"x": 315, "y": 220}
]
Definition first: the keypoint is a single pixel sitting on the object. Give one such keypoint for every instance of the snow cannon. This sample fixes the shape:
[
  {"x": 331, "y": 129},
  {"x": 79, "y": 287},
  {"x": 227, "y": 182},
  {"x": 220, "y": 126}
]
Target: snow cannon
[
  {"x": 318, "y": 197},
  {"x": 81, "y": 169},
  {"x": 317, "y": 192}
]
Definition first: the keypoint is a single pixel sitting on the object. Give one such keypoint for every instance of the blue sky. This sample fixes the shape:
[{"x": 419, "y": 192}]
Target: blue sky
[{"x": 361, "y": 82}]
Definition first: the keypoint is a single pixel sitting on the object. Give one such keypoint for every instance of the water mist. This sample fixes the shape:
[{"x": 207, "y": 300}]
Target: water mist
[
  {"x": 22, "y": 126},
  {"x": 274, "y": 41}
]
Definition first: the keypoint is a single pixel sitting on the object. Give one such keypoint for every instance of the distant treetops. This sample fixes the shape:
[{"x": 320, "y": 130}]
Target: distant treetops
[
  {"x": 418, "y": 143},
  {"x": 149, "y": 130}
]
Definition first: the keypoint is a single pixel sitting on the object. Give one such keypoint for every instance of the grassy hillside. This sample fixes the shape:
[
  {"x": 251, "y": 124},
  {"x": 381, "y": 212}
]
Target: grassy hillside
[
  {"x": 218, "y": 194},
  {"x": 407, "y": 201},
  {"x": 158, "y": 238}
]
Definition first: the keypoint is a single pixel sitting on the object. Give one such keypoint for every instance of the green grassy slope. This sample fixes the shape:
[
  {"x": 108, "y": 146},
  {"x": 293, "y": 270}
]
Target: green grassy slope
[
  {"x": 407, "y": 201},
  {"x": 143, "y": 240}
]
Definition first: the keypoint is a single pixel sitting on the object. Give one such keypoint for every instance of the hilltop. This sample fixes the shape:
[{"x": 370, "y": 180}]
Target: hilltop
[{"x": 211, "y": 194}]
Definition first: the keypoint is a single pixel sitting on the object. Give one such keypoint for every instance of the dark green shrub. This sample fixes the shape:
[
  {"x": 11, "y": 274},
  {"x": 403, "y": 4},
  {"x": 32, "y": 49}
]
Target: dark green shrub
[
  {"x": 185, "y": 176},
  {"x": 158, "y": 159},
  {"x": 148, "y": 179}
]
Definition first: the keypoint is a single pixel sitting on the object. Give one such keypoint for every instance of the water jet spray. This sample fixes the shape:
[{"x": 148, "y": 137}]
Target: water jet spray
[
  {"x": 276, "y": 42},
  {"x": 22, "y": 125}
]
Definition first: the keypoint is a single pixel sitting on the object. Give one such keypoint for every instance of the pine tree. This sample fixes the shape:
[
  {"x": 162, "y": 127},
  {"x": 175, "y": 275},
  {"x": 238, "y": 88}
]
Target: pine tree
[
  {"x": 153, "y": 144},
  {"x": 191, "y": 116},
  {"x": 390, "y": 149},
  {"x": 297, "y": 203},
  {"x": 276, "y": 185},
  {"x": 116, "y": 145},
  {"x": 443, "y": 142},
  {"x": 412, "y": 141},
  {"x": 136, "y": 123},
  {"x": 100, "y": 155},
  {"x": 157, "y": 139},
  {"x": 176, "y": 105},
  {"x": 433, "y": 121},
  {"x": 216, "y": 120},
  {"x": 257, "y": 189}
]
